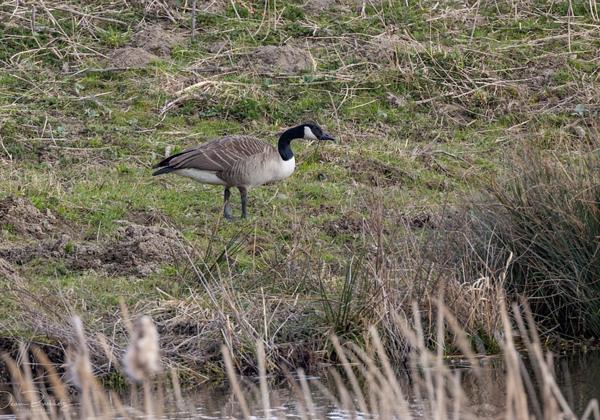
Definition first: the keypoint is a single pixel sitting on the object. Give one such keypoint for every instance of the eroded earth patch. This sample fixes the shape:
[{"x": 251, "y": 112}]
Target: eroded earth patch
[
  {"x": 147, "y": 45},
  {"x": 135, "y": 249},
  {"x": 157, "y": 40},
  {"x": 284, "y": 59},
  {"x": 21, "y": 217}
]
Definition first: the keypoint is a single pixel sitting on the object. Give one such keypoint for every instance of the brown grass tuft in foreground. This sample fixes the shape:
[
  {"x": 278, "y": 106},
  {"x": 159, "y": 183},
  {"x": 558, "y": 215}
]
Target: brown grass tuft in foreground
[
  {"x": 546, "y": 215},
  {"x": 366, "y": 383}
]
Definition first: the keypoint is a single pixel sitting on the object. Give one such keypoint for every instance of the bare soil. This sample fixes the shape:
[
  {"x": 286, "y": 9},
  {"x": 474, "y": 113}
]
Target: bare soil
[
  {"x": 19, "y": 216},
  {"x": 130, "y": 57},
  {"x": 135, "y": 250},
  {"x": 23, "y": 253},
  {"x": 157, "y": 40},
  {"x": 284, "y": 59}
]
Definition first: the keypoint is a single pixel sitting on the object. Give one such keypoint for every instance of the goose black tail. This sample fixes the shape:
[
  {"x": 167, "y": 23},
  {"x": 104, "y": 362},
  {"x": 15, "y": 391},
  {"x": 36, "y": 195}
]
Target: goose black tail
[
  {"x": 163, "y": 165},
  {"x": 164, "y": 170}
]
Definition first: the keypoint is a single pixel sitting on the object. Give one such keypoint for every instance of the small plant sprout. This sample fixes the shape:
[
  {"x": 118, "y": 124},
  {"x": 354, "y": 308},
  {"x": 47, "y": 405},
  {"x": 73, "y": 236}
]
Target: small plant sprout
[{"x": 142, "y": 358}]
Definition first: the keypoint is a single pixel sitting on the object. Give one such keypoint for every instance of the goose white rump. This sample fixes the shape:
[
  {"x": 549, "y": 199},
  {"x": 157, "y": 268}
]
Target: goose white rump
[{"x": 205, "y": 177}]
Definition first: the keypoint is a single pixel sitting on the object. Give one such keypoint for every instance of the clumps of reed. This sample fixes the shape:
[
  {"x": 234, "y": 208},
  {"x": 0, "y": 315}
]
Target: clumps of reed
[
  {"x": 546, "y": 213},
  {"x": 142, "y": 358},
  {"x": 365, "y": 383},
  {"x": 74, "y": 389},
  {"x": 78, "y": 365}
]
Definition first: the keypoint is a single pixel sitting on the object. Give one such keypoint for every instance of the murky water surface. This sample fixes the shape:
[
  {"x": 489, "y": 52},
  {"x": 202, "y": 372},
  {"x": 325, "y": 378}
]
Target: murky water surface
[{"x": 578, "y": 376}]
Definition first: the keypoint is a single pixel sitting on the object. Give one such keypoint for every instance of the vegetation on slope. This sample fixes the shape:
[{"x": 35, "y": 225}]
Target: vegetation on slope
[{"x": 427, "y": 99}]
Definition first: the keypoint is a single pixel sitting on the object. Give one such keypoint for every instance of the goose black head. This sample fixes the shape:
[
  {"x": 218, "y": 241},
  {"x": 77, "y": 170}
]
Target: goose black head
[{"x": 312, "y": 131}]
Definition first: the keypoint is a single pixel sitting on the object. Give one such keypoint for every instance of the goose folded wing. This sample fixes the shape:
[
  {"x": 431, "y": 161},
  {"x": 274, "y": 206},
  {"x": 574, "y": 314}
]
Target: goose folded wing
[{"x": 220, "y": 154}]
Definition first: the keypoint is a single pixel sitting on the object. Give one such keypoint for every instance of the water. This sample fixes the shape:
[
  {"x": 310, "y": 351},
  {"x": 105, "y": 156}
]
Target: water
[
  {"x": 577, "y": 374},
  {"x": 579, "y": 378}
]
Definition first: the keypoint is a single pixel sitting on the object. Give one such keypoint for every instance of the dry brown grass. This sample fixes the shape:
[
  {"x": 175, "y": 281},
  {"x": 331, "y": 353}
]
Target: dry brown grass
[
  {"x": 365, "y": 381},
  {"x": 292, "y": 308}
]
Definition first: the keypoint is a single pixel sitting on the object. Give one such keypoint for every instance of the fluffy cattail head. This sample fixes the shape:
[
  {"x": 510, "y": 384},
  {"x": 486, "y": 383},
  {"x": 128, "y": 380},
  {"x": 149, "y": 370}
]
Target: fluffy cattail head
[
  {"x": 78, "y": 365},
  {"x": 142, "y": 358}
]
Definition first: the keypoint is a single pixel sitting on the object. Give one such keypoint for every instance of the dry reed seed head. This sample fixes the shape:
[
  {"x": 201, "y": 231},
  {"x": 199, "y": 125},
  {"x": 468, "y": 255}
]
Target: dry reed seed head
[
  {"x": 79, "y": 331},
  {"x": 78, "y": 365},
  {"x": 142, "y": 358}
]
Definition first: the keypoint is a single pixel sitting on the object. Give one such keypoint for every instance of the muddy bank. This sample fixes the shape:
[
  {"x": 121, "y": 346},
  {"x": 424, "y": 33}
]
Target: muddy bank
[{"x": 283, "y": 59}]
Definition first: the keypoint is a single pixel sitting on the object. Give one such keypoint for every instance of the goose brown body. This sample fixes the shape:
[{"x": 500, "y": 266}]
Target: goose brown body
[
  {"x": 233, "y": 161},
  {"x": 240, "y": 161}
]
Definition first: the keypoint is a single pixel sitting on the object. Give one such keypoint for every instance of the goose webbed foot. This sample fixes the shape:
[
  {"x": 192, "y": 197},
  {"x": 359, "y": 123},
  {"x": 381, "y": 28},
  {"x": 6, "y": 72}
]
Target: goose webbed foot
[{"x": 227, "y": 214}]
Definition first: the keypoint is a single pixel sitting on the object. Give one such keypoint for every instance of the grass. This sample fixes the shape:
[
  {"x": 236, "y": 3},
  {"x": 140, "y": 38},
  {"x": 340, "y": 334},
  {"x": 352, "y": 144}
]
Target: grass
[{"x": 427, "y": 100}]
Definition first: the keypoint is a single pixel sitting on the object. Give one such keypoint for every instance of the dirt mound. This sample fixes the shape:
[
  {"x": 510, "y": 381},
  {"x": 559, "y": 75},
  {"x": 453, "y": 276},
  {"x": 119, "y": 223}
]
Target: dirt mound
[
  {"x": 129, "y": 57},
  {"x": 386, "y": 46},
  {"x": 48, "y": 248},
  {"x": 19, "y": 216},
  {"x": 285, "y": 59},
  {"x": 156, "y": 40},
  {"x": 136, "y": 250},
  {"x": 315, "y": 6}
]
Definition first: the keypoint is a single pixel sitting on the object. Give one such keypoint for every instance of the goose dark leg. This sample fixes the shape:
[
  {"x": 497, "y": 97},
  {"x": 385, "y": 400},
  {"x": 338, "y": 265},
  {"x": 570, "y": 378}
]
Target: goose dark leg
[
  {"x": 226, "y": 208},
  {"x": 244, "y": 196}
]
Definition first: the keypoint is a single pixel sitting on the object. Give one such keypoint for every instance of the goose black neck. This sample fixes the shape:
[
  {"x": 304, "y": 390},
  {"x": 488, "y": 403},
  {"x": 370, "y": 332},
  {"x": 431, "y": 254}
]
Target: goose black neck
[{"x": 283, "y": 146}]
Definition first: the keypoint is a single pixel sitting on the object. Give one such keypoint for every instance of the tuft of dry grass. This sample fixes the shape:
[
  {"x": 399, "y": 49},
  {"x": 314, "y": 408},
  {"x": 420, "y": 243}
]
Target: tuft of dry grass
[
  {"x": 365, "y": 382},
  {"x": 544, "y": 215}
]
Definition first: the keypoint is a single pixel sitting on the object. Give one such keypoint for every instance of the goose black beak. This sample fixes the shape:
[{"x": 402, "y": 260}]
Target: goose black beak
[{"x": 326, "y": 136}]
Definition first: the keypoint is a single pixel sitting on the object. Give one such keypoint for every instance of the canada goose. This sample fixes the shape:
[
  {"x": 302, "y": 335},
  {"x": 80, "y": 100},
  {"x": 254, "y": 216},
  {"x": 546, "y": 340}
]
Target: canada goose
[{"x": 240, "y": 161}]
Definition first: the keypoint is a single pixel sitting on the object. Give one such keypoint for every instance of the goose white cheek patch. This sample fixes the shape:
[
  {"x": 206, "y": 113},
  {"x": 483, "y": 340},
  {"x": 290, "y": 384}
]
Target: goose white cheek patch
[{"x": 308, "y": 134}]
